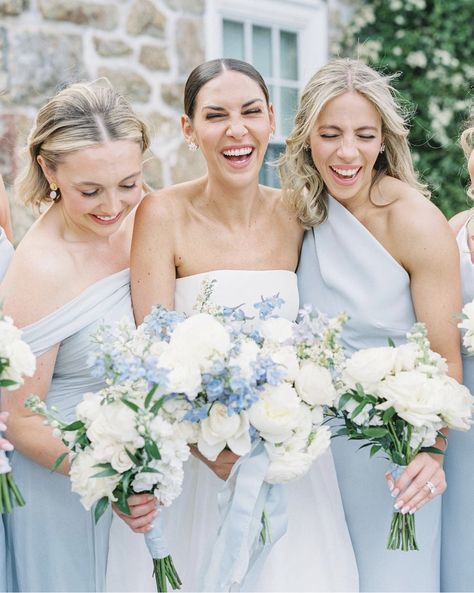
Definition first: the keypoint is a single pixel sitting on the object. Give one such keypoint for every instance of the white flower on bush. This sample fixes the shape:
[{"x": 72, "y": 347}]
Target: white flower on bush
[
  {"x": 369, "y": 366},
  {"x": 314, "y": 385},
  {"x": 201, "y": 338},
  {"x": 415, "y": 397},
  {"x": 220, "y": 429},
  {"x": 416, "y": 59},
  {"x": 276, "y": 413},
  {"x": 277, "y": 330},
  {"x": 90, "y": 489}
]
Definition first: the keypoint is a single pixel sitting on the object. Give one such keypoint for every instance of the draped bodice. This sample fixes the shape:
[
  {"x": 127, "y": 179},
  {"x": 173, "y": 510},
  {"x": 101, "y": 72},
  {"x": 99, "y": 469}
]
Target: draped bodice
[
  {"x": 240, "y": 287},
  {"x": 71, "y": 326},
  {"x": 6, "y": 253},
  {"x": 344, "y": 268}
]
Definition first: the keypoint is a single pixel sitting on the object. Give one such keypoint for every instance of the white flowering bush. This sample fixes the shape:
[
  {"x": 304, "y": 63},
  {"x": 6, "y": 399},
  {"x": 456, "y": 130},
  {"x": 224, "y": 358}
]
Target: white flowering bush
[{"x": 431, "y": 43}]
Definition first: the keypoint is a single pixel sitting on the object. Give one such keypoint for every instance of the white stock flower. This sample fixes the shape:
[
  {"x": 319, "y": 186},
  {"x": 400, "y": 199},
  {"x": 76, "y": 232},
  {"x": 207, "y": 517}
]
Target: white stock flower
[
  {"x": 90, "y": 489},
  {"x": 89, "y": 408},
  {"x": 369, "y": 366},
  {"x": 277, "y": 330},
  {"x": 314, "y": 385},
  {"x": 219, "y": 429},
  {"x": 275, "y": 415},
  {"x": 201, "y": 338}
]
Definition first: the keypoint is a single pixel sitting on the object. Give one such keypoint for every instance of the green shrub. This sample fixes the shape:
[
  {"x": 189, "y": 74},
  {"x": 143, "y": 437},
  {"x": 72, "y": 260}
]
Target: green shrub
[{"x": 431, "y": 43}]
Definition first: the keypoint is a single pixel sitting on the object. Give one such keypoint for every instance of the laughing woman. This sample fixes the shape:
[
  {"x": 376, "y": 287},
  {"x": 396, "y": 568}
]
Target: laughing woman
[{"x": 379, "y": 250}]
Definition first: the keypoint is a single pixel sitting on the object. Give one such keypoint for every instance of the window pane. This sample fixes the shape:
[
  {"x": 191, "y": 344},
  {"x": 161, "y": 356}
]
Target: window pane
[
  {"x": 233, "y": 33},
  {"x": 288, "y": 106},
  {"x": 288, "y": 55},
  {"x": 262, "y": 50},
  {"x": 269, "y": 173}
]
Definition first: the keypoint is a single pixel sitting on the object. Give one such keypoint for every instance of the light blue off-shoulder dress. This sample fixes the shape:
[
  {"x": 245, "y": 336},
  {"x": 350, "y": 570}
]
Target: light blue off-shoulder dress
[
  {"x": 344, "y": 268},
  {"x": 6, "y": 253},
  {"x": 53, "y": 543},
  {"x": 457, "y": 538}
]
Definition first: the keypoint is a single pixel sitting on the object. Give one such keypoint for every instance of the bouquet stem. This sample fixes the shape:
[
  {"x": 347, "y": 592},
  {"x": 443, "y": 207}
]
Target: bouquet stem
[
  {"x": 402, "y": 535},
  {"x": 10, "y": 495},
  {"x": 164, "y": 573}
]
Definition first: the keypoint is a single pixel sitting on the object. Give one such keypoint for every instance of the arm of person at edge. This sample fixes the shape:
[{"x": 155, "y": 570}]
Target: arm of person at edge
[
  {"x": 5, "y": 221},
  {"x": 153, "y": 277},
  {"x": 422, "y": 241}
]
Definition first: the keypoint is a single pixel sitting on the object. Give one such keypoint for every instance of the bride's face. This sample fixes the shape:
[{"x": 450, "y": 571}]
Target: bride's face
[{"x": 232, "y": 124}]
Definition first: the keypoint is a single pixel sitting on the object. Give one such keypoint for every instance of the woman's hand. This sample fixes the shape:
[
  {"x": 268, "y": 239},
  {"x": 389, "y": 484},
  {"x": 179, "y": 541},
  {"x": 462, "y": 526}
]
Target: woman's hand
[
  {"x": 422, "y": 480},
  {"x": 144, "y": 508},
  {"x": 222, "y": 466}
]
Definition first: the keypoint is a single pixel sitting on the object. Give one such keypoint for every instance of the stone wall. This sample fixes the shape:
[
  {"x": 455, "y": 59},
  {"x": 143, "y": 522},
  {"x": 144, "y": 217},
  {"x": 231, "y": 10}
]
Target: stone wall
[{"x": 146, "y": 48}]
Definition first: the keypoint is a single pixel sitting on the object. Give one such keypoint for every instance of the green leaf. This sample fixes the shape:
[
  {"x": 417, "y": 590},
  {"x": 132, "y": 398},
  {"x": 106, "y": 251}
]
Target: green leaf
[
  {"x": 77, "y": 425},
  {"x": 432, "y": 450},
  {"x": 133, "y": 457},
  {"x": 150, "y": 470},
  {"x": 106, "y": 473},
  {"x": 391, "y": 343},
  {"x": 342, "y": 432},
  {"x": 130, "y": 404},
  {"x": 100, "y": 508},
  {"x": 157, "y": 405},
  {"x": 344, "y": 399},
  {"x": 387, "y": 415},
  {"x": 7, "y": 382},
  {"x": 58, "y": 461},
  {"x": 152, "y": 449},
  {"x": 374, "y": 432},
  {"x": 123, "y": 504},
  {"x": 358, "y": 409},
  {"x": 149, "y": 396},
  {"x": 375, "y": 449}
]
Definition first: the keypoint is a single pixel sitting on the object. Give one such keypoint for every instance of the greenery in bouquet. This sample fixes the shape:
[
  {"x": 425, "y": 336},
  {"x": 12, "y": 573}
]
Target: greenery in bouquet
[
  {"x": 430, "y": 43},
  {"x": 397, "y": 400},
  {"x": 16, "y": 362}
]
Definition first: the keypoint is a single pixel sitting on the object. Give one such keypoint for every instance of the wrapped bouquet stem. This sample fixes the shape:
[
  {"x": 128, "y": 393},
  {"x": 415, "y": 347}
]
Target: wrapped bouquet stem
[{"x": 398, "y": 400}]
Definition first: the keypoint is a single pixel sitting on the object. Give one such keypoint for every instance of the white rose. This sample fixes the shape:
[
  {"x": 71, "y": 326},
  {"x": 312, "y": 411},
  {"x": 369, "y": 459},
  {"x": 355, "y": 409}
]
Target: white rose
[
  {"x": 457, "y": 405},
  {"x": 120, "y": 461},
  {"x": 89, "y": 408},
  {"x": 90, "y": 489},
  {"x": 415, "y": 397},
  {"x": 277, "y": 329},
  {"x": 201, "y": 338},
  {"x": 184, "y": 375},
  {"x": 369, "y": 366},
  {"x": 286, "y": 357},
  {"x": 276, "y": 413},
  {"x": 406, "y": 356},
  {"x": 22, "y": 362},
  {"x": 115, "y": 423},
  {"x": 219, "y": 429},
  {"x": 145, "y": 481},
  {"x": 314, "y": 385}
]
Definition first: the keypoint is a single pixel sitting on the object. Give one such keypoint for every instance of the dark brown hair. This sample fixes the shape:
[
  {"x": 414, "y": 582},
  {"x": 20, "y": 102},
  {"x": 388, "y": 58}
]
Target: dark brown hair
[{"x": 212, "y": 69}]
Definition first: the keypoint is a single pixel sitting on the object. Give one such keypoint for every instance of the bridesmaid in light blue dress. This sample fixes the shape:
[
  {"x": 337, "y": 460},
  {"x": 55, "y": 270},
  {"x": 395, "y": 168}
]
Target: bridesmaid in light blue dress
[
  {"x": 381, "y": 252},
  {"x": 68, "y": 276},
  {"x": 457, "y": 536},
  {"x": 6, "y": 253}
]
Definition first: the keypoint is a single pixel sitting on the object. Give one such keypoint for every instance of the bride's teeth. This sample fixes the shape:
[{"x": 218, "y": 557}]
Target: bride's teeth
[
  {"x": 238, "y": 151},
  {"x": 345, "y": 172},
  {"x": 106, "y": 217}
]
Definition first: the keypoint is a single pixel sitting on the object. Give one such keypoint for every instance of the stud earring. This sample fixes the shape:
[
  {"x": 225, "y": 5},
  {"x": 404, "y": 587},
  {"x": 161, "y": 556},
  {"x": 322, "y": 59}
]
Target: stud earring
[
  {"x": 306, "y": 147},
  {"x": 192, "y": 146},
  {"x": 382, "y": 148},
  {"x": 54, "y": 194}
]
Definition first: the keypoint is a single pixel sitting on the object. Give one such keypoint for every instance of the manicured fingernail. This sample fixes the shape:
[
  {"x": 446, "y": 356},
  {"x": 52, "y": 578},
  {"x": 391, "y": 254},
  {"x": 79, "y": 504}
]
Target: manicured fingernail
[
  {"x": 395, "y": 492},
  {"x": 398, "y": 505},
  {"x": 405, "y": 510},
  {"x": 390, "y": 485},
  {"x": 3, "y": 426},
  {"x": 412, "y": 511},
  {"x": 8, "y": 447}
]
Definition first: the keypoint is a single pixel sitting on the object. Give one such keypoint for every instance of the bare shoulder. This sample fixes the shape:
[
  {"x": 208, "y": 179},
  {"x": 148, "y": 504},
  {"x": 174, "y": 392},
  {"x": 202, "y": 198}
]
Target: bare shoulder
[
  {"x": 168, "y": 204},
  {"x": 460, "y": 219},
  {"x": 280, "y": 208}
]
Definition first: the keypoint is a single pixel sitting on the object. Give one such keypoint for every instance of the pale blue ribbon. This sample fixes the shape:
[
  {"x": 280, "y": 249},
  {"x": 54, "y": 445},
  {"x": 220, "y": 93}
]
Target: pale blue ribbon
[
  {"x": 155, "y": 540},
  {"x": 238, "y": 553}
]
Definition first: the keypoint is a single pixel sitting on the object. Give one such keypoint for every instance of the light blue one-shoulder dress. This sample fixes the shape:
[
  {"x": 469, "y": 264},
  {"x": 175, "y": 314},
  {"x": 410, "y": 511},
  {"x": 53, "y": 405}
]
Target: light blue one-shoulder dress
[
  {"x": 457, "y": 536},
  {"x": 344, "y": 268},
  {"x": 53, "y": 543},
  {"x": 6, "y": 253}
]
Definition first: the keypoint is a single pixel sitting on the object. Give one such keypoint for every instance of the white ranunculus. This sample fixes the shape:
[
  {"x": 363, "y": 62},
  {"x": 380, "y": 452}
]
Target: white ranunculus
[
  {"x": 286, "y": 357},
  {"x": 144, "y": 482},
  {"x": 277, "y": 329},
  {"x": 184, "y": 375},
  {"x": 219, "y": 429},
  {"x": 246, "y": 357},
  {"x": 458, "y": 404},
  {"x": 201, "y": 338},
  {"x": 89, "y": 408},
  {"x": 90, "y": 489},
  {"x": 369, "y": 366},
  {"x": 314, "y": 385},
  {"x": 415, "y": 397},
  {"x": 276, "y": 413}
]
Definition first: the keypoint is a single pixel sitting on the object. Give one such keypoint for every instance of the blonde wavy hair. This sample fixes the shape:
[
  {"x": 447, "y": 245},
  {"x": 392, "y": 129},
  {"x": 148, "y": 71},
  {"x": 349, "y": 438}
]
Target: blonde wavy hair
[
  {"x": 467, "y": 143},
  {"x": 302, "y": 183},
  {"x": 79, "y": 116}
]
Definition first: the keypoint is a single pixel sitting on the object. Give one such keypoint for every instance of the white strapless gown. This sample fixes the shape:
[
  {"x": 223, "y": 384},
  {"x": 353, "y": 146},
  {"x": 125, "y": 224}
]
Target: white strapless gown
[{"x": 316, "y": 552}]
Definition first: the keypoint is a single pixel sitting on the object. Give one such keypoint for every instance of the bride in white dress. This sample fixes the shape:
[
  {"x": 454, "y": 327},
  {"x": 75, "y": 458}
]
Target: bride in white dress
[{"x": 228, "y": 227}]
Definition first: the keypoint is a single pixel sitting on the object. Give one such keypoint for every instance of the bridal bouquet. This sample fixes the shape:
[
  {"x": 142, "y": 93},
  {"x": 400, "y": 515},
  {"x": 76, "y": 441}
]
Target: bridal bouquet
[
  {"x": 16, "y": 361},
  {"x": 467, "y": 324},
  {"x": 121, "y": 444},
  {"x": 256, "y": 388},
  {"x": 398, "y": 399}
]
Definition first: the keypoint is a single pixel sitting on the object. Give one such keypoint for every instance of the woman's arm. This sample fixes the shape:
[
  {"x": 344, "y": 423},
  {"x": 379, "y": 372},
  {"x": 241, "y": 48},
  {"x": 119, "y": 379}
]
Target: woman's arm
[{"x": 5, "y": 220}]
